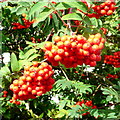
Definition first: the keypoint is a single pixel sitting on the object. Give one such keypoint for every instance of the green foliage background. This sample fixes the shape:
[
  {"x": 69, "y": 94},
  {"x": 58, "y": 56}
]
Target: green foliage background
[{"x": 94, "y": 85}]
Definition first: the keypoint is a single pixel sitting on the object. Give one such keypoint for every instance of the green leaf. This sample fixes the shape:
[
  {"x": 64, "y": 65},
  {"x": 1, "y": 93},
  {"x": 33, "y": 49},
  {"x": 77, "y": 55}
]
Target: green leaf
[
  {"x": 72, "y": 16},
  {"x": 4, "y": 71},
  {"x": 2, "y": 4},
  {"x": 21, "y": 10},
  {"x": 100, "y": 23},
  {"x": 62, "y": 6},
  {"x": 37, "y": 7},
  {"x": 87, "y": 20},
  {"x": 30, "y": 43},
  {"x": 62, "y": 104},
  {"x": 78, "y": 5},
  {"x": 94, "y": 22},
  {"x": 112, "y": 115},
  {"x": 63, "y": 84},
  {"x": 96, "y": 113},
  {"x": 21, "y": 54},
  {"x": 13, "y": 9},
  {"x": 89, "y": 1},
  {"x": 33, "y": 57},
  {"x": 109, "y": 98},
  {"x": 29, "y": 53},
  {"x": 87, "y": 32},
  {"x": 117, "y": 69},
  {"x": 111, "y": 92},
  {"x": 74, "y": 111},
  {"x": 42, "y": 16},
  {"x": 61, "y": 113},
  {"x": 41, "y": 115},
  {"x": 55, "y": 19},
  {"x": 14, "y": 63},
  {"x": 41, "y": 45},
  {"x": 2, "y": 98},
  {"x": 22, "y": 63},
  {"x": 23, "y": 3}
]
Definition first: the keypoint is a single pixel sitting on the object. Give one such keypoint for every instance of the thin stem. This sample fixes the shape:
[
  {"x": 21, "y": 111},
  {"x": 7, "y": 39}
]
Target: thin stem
[
  {"x": 59, "y": 15},
  {"x": 49, "y": 35},
  {"x": 82, "y": 70},
  {"x": 109, "y": 105},
  {"x": 105, "y": 79},
  {"x": 97, "y": 89},
  {"x": 64, "y": 73},
  {"x": 43, "y": 60},
  {"x": 69, "y": 23},
  {"x": 64, "y": 23},
  {"x": 77, "y": 29}
]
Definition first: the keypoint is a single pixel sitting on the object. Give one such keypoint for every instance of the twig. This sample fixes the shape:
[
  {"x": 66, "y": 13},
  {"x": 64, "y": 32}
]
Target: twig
[
  {"x": 64, "y": 73},
  {"x": 68, "y": 22},
  {"x": 108, "y": 105},
  {"x": 96, "y": 89},
  {"x": 58, "y": 15},
  {"x": 43, "y": 60},
  {"x": 49, "y": 35},
  {"x": 77, "y": 29},
  {"x": 110, "y": 83}
]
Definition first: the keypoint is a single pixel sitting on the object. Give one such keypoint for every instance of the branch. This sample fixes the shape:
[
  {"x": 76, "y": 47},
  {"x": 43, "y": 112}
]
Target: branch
[
  {"x": 58, "y": 15},
  {"x": 96, "y": 89},
  {"x": 49, "y": 35},
  {"x": 69, "y": 23},
  {"x": 43, "y": 60},
  {"x": 108, "y": 105},
  {"x": 105, "y": 79},
  {"x": 64, "y": 73}
]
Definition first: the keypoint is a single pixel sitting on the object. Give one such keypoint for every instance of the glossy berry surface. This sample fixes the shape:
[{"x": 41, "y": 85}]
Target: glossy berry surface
[{"x": 74, "y": 50}]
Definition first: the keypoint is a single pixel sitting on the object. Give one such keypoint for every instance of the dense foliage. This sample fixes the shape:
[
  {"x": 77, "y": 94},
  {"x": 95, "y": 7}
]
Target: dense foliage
[{"x": 60, "y": 60}]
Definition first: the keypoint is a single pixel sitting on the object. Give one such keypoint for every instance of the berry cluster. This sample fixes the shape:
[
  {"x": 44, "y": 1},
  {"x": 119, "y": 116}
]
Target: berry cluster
[
  {"x": 74, "y": 50},
  {"x": 35, "y": 81},
  {"x": 87, "y": 103},
  {"x": 106, "y": 8},
  {"x": 26, "y": 24},
  {"x": 5, "y": 93},
  {"x": 112, "y": 76},
  {"x": 113, "y": 59}
]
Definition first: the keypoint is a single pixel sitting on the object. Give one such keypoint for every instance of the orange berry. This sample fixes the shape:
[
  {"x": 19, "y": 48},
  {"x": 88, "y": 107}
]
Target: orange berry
[
  {"x": 60, "y": 51},
  {"x": 35, "y": 63},
  {"x": 57, "y": 58},
  {"x": 34, "y": 92},
  {"x": 48, "y": 45},
  {"x": 64, "y": 38},
  {"x": 109, "y": 12},
  {"x": 28, "y": 78},
  {"x": 60, "y": 44},
  {"x": 86, "y": 46},
  {"x": 23, "y": 14},
  {"x": 27, "y": 68},
  {"x": 15, "y": 82},
  {"x": 57, "y": 39}
]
